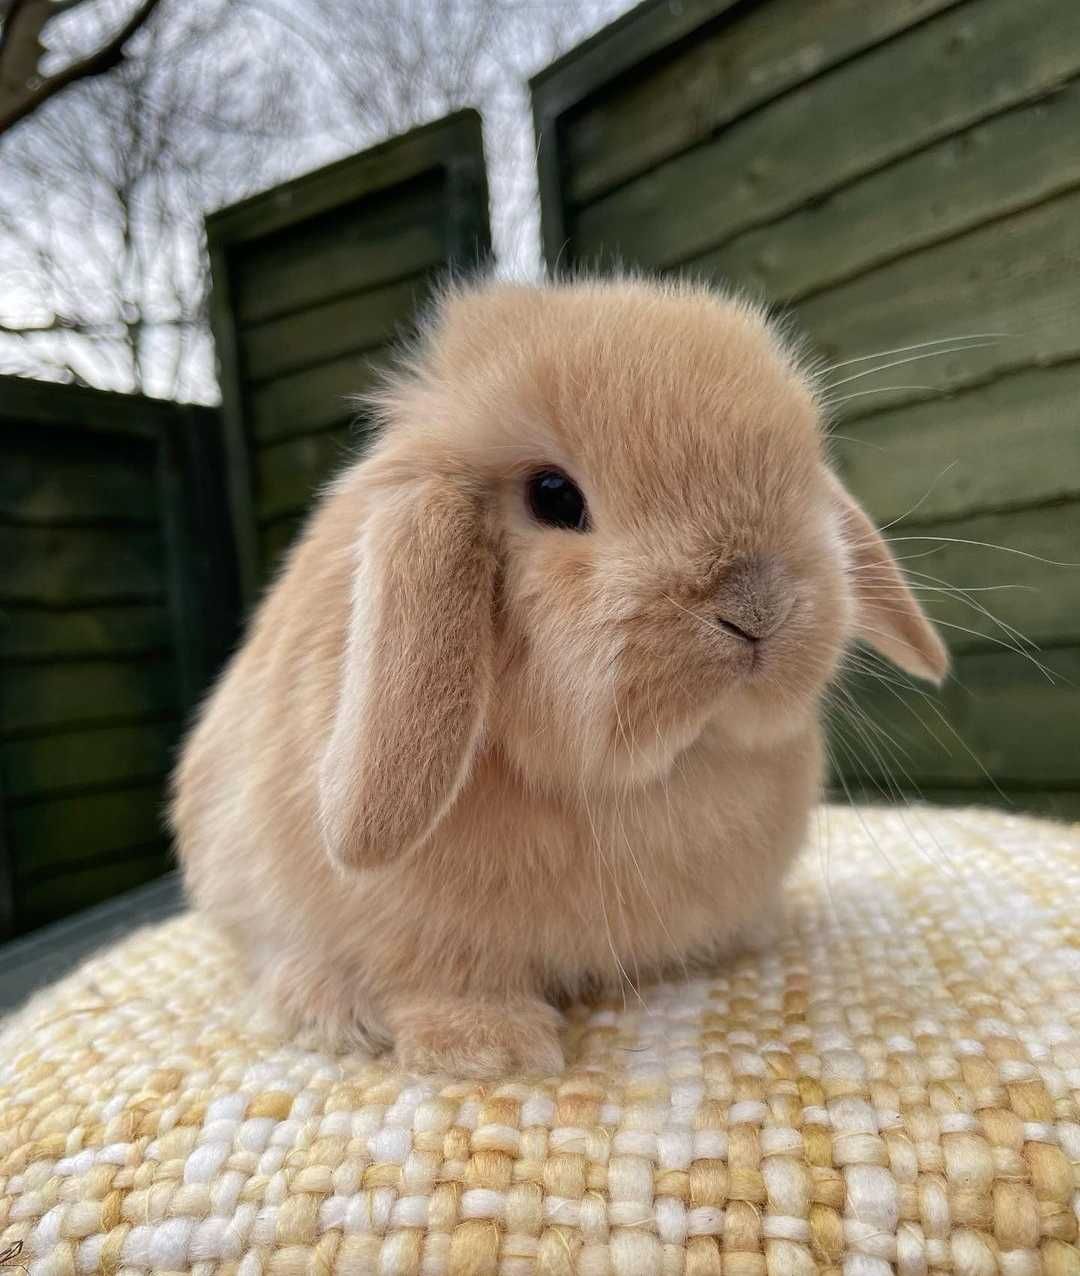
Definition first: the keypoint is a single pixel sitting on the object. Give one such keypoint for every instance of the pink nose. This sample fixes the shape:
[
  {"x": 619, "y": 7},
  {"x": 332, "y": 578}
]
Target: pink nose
[{"x": 754, "y": 598}]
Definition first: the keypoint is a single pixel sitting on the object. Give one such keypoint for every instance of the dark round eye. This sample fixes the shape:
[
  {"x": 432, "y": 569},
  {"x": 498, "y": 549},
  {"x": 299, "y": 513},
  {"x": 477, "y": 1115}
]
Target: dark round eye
[{"x": 556, "y": 501}]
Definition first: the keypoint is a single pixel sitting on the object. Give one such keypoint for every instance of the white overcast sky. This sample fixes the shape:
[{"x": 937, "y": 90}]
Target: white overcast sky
[{"x": 330, "y": 123}]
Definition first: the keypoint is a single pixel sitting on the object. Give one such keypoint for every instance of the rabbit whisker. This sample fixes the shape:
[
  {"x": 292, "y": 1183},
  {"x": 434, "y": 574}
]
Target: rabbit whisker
[
  {"x": 880, "y": 389},
  {"x": 919, "y": 345},
  {"x": 911, "y": 358}
]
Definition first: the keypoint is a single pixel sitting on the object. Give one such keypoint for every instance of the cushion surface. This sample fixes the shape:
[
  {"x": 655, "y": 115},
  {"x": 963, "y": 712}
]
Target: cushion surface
[{"x": 894, "y": 1085}]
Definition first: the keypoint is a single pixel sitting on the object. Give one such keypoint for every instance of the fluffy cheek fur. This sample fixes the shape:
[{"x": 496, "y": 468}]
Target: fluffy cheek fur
[
  {"x": 606, "y": 683},
  {"x": 596, "y": 687},
  {"x": 558, "y": 649}
]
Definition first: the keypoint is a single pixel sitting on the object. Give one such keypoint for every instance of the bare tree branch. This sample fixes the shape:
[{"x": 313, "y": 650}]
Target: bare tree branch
[
  {"x": 22, "y": 88},
  {"x": 104, "y": 276}
]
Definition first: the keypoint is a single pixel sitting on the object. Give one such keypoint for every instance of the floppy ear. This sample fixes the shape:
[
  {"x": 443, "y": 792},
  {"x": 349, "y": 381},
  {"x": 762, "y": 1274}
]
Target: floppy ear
[
  {"x": 888, "y": 616},
  {"x": 417, "y": 675}
]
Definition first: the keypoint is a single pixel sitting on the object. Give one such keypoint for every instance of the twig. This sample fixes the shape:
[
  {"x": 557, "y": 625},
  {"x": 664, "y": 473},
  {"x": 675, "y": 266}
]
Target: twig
[{"x": 22, "y": 88}]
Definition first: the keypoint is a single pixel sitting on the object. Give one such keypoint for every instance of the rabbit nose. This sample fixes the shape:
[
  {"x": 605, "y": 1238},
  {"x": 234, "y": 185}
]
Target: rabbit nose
[
  {"x": 738, "y": 631},
  {"x": 754, "y": 598}
]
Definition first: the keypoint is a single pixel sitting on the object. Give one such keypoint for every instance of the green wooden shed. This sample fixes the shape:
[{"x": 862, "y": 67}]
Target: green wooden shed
[{"x": 313, "y": 282}]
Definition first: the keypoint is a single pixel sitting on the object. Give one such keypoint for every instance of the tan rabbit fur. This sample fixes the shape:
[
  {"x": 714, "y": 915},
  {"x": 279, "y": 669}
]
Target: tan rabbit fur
[{"x": 466, "y": 764}]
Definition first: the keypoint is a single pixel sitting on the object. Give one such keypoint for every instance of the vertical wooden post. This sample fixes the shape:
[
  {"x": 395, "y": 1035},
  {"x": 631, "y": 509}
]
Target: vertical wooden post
[
  {"x": 201, "y": 557},
  {"x": 556, "y": 245},
  {"x": 238, "y": 453},
  {"x": 468, "y": 239}
]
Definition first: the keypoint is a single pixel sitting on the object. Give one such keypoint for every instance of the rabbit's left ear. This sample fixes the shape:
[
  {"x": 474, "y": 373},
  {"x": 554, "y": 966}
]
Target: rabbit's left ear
[
  {"x": 887, "y": 613},
  {"x": 417, "y": 674}
]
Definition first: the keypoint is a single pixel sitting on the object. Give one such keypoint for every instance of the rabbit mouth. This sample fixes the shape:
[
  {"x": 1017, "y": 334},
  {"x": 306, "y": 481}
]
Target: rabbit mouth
[{"x": 755, "y": 653}]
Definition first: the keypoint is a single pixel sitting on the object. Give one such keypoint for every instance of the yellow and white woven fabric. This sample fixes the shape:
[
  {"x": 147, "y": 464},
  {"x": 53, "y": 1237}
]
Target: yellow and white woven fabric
[{"x": 896, "y": 1086}]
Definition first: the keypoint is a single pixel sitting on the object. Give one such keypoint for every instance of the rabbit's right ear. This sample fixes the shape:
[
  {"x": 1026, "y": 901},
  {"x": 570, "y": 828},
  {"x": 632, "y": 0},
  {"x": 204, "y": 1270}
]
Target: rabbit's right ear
[{"x": 417, "y": 673}]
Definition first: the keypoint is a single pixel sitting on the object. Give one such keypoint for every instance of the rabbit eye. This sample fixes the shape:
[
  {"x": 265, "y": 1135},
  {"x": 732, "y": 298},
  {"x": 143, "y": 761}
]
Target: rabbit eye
[{"x": 556, "y": 501}]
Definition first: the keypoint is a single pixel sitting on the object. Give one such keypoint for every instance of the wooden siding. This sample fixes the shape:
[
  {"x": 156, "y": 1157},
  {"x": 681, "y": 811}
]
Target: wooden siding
[
  {"x": 313, "y": 284},
  {"x": 117, "y": 603},
  {"x": 888, "y": 175}
]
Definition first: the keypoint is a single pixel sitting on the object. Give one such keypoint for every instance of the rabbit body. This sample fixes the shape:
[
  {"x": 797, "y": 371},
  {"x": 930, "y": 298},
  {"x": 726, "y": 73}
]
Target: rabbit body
[{"x": 466, "y": 765}]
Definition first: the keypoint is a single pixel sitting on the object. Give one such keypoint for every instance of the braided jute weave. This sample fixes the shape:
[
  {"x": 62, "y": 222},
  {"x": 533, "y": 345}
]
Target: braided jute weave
[{"x": 894, "y": 1086}]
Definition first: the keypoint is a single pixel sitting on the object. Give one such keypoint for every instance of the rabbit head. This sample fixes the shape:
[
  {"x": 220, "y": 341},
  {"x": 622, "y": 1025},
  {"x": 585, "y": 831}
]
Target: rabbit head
[{"x": 598, "y": 520}]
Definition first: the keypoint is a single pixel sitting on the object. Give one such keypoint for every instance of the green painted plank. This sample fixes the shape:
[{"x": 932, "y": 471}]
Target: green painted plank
[
  {"x": 1017, "y": 277},
  {"x": 1042, "y": 599},
  {"x": 445, "y": 142},
  {"x": 936, "y": 79},
  {"x": 80, "y": 759},
  {"x": 716, "y": 75},
  {"x": 41, "y": 698},
  {"x": 39, "y": 902},
  {"x": 35, "y": 634},
  {"x": 74, "y": 478},
  {"x": 621, "y": 46},
  {"x": 1019, "y": 726},
  {"x": 929, "y": 460},
  {"x": 1001, "y": 165},
  {"x": 47, "y": 404},
  {"x": 380, "y": 238},
  {"x": 288, "y": 475},
  {"x": 79, "y": 565},
  {"x": 314, "y": 399},
  {"x": 79, "y": 830},
  {"x": 363, "y": 321}
]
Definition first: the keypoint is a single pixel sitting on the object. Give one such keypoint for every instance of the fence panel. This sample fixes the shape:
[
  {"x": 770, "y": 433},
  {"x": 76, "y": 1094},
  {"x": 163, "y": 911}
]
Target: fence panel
[
  {"x": 117, "y": 604},
  {"x": 891, "y": 174},
  {"x": 312, "y": 283}
]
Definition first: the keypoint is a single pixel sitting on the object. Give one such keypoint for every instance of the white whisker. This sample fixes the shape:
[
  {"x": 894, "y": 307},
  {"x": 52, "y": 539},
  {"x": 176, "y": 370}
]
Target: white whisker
[
  {"x": 928, "y": 699},
  {"x": 1005, "y": 549},
  {"x": 911, "y": 358},
  {"x": 922, "y": 499},
  {"x": 880, "y": 389},
  {"x": 895, "y": 788},
  {"x": 919, "y": 345}
]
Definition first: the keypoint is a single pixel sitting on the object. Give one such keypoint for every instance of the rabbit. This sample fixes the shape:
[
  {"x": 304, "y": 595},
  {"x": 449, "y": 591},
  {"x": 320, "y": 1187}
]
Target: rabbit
[{"x": 535, "y": 703}]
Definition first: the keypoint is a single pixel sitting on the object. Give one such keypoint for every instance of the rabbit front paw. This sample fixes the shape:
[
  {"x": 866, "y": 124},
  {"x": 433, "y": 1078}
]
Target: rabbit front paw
[{"x": 472, "y": 1038}]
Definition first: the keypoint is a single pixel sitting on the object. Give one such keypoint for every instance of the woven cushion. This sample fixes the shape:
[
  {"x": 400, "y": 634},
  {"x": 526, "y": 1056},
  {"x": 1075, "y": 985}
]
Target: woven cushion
[{"x": 897, "y": 1083}]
